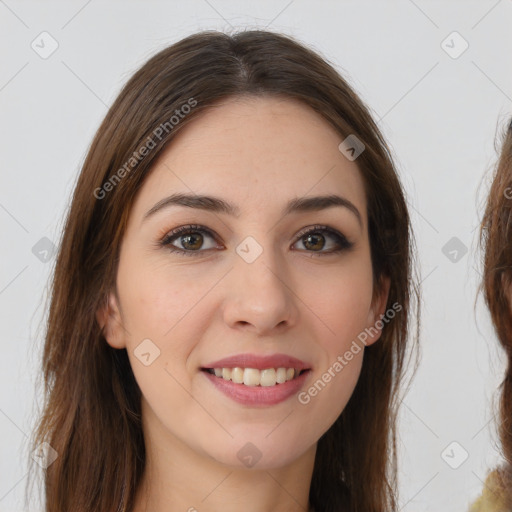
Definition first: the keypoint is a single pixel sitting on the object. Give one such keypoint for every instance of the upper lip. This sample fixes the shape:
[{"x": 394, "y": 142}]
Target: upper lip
[{"x": 259, "y": 362}]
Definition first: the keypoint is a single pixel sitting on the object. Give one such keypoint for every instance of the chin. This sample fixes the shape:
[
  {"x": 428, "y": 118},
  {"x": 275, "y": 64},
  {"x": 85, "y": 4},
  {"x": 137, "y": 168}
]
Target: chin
[{"x": 251, "y": 453}]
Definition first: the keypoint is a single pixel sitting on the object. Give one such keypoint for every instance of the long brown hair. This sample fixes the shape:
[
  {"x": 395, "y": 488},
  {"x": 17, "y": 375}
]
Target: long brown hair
[
  {"x": 496, "y": 242},
  {"x": 92, "y": 414}
]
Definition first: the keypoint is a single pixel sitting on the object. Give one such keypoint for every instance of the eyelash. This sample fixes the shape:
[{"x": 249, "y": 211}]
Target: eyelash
[{"x": 195, "y": 228}]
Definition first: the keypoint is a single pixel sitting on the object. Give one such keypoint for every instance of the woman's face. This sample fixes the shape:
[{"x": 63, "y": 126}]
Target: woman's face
[{"x": 251, "y": 281}]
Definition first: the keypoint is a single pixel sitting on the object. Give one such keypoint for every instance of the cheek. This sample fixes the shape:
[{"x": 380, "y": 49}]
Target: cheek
[
  {"x": 329, "y": 393},
  {"x": 342, "y": 305},
  {"x": 162, "y": 306},
  {"x": 341, "y": 309},
  {"x": 156, "y": 298}
]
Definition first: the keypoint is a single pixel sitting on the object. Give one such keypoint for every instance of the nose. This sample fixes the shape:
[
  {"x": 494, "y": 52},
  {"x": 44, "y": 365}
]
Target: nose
[{"x": 260, "y": 296}]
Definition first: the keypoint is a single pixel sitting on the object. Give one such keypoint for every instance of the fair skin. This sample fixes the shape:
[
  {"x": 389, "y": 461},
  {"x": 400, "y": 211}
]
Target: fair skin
[{"x": 295, "y": 298}]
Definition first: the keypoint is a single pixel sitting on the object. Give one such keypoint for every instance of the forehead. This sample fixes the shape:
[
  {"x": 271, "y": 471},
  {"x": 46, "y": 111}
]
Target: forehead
[{"x": 255, "y": 152}]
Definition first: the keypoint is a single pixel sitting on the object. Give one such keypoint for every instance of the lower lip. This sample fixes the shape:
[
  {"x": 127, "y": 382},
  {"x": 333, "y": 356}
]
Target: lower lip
[{"x": 258, "y": 395}]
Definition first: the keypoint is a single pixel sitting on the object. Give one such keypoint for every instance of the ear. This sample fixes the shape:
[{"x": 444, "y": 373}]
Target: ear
[
  {"x": 377, "y": 311},
  {"x": 109, "y": 319}
]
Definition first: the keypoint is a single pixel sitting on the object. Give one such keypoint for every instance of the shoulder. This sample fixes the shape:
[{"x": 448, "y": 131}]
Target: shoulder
[{"x": 494, "y": 496}]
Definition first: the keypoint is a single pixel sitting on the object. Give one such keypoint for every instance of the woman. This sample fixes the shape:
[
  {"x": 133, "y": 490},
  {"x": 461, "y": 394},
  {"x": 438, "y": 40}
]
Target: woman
[
  {"x": 238, "y": 240},
  {"x": 496, "y": 241}
]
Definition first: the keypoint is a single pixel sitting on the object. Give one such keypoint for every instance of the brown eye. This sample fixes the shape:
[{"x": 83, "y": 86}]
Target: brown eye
[
  {"x": 191, "y": 239},
  {"x": 314, "y": 240}
]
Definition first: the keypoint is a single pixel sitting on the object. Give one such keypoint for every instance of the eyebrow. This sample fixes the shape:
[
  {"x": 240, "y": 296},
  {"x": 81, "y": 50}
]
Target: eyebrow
[{"x": 218, "y": 205}]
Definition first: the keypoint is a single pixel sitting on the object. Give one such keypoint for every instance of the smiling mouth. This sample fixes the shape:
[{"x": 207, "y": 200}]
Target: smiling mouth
[{"x": 254, "y": 377}]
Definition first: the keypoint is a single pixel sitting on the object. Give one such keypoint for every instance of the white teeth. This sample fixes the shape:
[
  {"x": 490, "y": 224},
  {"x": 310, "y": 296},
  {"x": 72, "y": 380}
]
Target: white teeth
[
  {"x": 255, "y": 377},
  {"x": 237, "y": 375},
  {"x": 281, "y": 375},
  {"x": 268, "y": 377},
  {"x": 251, "y": 376}
]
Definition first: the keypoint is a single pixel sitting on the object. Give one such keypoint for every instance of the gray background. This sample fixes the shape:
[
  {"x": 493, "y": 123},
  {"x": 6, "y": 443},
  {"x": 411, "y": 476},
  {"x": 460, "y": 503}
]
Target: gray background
[{"x": 439, "y": 112}]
